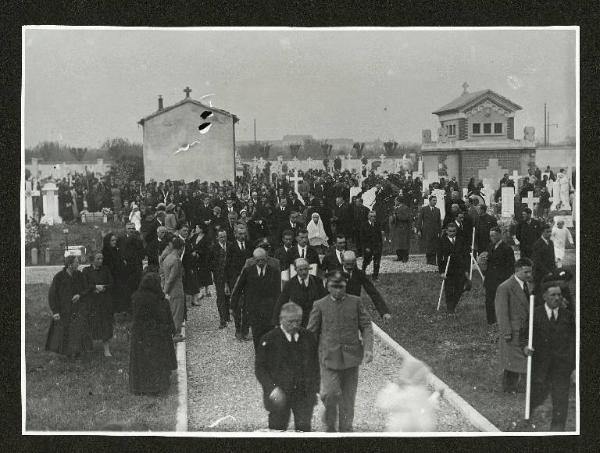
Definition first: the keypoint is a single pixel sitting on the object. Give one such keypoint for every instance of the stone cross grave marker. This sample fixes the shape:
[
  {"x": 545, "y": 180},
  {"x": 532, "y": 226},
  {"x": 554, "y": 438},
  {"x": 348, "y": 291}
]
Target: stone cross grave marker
[
  {"x": 30, "y": 192},
  {"x": 530, "y": 200},
  {"x": 490, "y": 178},
  {"x": 296, "y": 180},
  {"x": 508, "y": 202},
  {"x": 515, "y": 178},
  {"x": 50, "y": 200}
]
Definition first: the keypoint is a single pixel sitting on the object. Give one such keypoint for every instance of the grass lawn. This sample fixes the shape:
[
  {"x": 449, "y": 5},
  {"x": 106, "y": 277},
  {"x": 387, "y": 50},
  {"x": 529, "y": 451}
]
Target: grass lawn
[
  {"x": 68, "y": 395},
  {"x": 458, "y": 349}
]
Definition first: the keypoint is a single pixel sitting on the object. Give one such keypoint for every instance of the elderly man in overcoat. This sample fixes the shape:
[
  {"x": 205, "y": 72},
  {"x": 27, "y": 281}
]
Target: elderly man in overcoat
[
  {"x": 512, "y": 312},
  {"x": 429, "y": 228},
  {"x": 336, "y": 320}
]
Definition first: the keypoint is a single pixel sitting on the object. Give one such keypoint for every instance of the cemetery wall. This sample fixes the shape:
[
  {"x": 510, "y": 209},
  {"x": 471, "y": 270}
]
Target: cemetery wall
[
  {"x": 210, "y": 159},
  {"x": 59, "y": 170},
  {"x": 510, "y": 160}
]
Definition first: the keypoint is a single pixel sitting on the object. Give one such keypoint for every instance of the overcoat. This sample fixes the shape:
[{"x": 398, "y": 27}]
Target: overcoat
[
  {"x": 429, "y": 225},
  {"x": 400, "y": 227}
]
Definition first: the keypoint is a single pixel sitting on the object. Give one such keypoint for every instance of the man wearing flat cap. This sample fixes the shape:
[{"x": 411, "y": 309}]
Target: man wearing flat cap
[{"x": 336, "y": 320}]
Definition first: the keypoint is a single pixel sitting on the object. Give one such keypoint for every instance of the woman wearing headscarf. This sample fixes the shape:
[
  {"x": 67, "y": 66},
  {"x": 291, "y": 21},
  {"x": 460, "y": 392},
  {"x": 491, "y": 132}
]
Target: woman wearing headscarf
[
  {"x": 172, "y": 284},
  {"x": 114, "y": 261},
  {"x": 100, "y": 282},
  {"x": 316, "y": 231},
  {"x": 152, "y": 354},
  {"x": 67, "y": 297}
]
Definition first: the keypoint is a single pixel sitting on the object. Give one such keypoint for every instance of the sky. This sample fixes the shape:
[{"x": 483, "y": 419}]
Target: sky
[{"x": 83, "y": 86}]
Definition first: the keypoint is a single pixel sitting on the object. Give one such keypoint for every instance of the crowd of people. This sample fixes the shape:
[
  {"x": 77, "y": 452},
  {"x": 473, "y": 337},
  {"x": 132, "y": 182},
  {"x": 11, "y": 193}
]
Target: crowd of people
[{"x": 283, "y": 266}]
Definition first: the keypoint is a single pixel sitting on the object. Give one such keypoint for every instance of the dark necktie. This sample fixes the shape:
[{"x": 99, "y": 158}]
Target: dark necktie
[
  {"x": 526, "y": 289},
  {"x": 302, "y": 254},
  {"x": 553, "y": 317},
  {"x": 242, "y": 246}
]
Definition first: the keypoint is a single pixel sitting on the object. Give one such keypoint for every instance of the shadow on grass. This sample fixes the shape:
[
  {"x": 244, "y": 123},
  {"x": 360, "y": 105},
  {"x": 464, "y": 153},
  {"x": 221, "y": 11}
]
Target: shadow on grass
[
  {"x": 90, "y": 394},
  {"x": 458, "y": 348}
]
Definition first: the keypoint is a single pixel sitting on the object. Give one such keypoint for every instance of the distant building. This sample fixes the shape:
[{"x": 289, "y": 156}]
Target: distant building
[
  {"x": 476, "y": 138},
  {"x": 174, "y": 147}
]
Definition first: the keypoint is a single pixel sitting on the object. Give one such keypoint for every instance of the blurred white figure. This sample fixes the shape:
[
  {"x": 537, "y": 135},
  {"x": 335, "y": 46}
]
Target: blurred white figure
[
  {"x": 561, "y": 236},
  {"x": 409, "y": 405}
]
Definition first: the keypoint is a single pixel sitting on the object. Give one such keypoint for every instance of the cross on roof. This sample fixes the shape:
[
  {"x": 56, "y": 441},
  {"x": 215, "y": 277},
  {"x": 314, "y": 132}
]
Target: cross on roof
[
  {"x": 530, "y": 200},
  {"x": 187, "y": 92}
]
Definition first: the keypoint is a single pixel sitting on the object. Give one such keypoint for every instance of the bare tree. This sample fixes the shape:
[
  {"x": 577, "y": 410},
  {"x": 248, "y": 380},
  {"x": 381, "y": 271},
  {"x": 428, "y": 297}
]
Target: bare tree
[
  {"x": 294, "y": 149},
  {"x": 78, "y": 153},
  {"x": 358, "y": 147},
  {"x": 390, "y": 148},
  {"x": 326, "y": 149}
]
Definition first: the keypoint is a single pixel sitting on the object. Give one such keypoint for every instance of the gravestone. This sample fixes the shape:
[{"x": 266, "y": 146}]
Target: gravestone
[
  {"x": 508, "y": 202},
  {"x": 30, "y": 192},
  {"x": 530, "y": 200},
  {"x": 50, "y": 197}
]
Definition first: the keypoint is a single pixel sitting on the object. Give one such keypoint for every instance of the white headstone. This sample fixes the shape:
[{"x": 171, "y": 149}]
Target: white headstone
[
  {"x": 440, "y": 194},
  {"x": 508, "y": 201},
  {"x": 488, "y": 191},
  {"x": 50, "y": 200},
  {"x": 369, "y": 198},
  {"x": 515, "y": 178},
  {"x": 354, "y": 191},
  {"x": 530, "y": 200}
]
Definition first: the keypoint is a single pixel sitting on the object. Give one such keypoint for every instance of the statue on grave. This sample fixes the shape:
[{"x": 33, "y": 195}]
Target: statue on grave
[
  {"x": 426, "y": 135},
  {"x": 442, "y": 134},
  {"x": 529, "y": 134},
  {"x": 560, "y": 193}
]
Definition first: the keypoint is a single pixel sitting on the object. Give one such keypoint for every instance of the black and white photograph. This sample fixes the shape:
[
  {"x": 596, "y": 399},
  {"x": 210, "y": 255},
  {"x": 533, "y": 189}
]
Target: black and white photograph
[{"x": 300, "y": 232}]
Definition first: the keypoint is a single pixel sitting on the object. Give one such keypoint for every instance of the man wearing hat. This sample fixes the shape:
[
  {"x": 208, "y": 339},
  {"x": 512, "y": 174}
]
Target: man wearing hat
[
  {"x": 528, "y": 231},
  {"x": 336, "y": 320},
  {"x": 543, "y": 256}
]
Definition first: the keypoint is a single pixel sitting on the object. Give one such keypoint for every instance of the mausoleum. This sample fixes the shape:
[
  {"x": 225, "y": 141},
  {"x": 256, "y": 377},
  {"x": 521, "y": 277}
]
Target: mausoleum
[{"x": 476, "y": 138}]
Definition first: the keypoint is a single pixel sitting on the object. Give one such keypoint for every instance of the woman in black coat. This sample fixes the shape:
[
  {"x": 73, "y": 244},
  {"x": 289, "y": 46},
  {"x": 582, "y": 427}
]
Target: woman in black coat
[
  {"x": 69, "y": 302},
  {"x": 114, "y": 261},
  {"x": 100, "y": 282},
  {"x": 199, "y": 245},
  {"x": 152, "y": 354}
]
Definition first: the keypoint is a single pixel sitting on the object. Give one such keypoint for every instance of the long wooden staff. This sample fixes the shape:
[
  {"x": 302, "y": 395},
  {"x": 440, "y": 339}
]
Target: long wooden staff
[
  {"x": 443, "y": 283},
  {"x": 529, "y": 359}
]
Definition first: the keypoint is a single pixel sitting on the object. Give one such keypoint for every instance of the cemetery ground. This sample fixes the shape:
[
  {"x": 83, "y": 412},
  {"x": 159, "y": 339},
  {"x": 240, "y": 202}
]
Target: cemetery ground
[
  {"x": 458, "y": 348},
  {"x": 86, "y": 394}
]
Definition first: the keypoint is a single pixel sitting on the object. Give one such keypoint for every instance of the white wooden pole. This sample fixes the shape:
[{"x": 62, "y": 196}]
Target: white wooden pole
[
  {"x": 472, "y": 254},
  {"x": 443, "y": 282},
  {"x": 529, "y": 358}
]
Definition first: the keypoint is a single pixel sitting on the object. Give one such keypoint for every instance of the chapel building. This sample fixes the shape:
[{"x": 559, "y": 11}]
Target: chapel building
[{"x": 187, "y": 141}]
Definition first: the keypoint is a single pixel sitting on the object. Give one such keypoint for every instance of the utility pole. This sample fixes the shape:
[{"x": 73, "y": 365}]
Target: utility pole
[
  {"x": 545, "y": 126},
  {"x": 548, "y": 125},
  {"x": 255, "y": 131}
]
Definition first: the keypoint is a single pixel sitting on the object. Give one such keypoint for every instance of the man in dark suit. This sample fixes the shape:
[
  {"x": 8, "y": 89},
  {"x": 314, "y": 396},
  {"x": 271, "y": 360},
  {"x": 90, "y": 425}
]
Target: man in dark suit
[
  {"x": 341, "y": 218},
  {"x": 260, "y": 285},
  {"x": 512, "y": 308},
  {"x": 356, "y": 280},
  {"x": 232, "y": 219},
  {"x": 527, "y": 232},
  {"x": 237, "y": 254},
  {"x": 453, "y": 248},
  {"x": 359, "y": 217},
  {"x": 303, "y": 290},
  {"x": 334, "y": 257},
  {"x": 215, "y": 223},
  {"x": 371, "y": 234},
  {"x": 499, "y": 266},
  {"x": 429, "y": 228},
  {"x": 553, "y": 351},
  {"x": 156, "y": 247},
  {"x": 217, "y": 262},
  {"x": 485, "y": 223},
  {"x": 302, "y": 249},
  {"x": 281, "y": 253},
  {"x": 282, "y": 217},
  {"x": 336, "y": 320},
  {"x": 543, "y": 258},
  {"x": 287, "y": 367}
]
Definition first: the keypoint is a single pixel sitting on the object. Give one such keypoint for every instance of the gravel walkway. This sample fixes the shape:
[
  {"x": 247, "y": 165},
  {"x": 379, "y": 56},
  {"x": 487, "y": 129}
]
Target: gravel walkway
[{"x": 222, "y": 385}]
